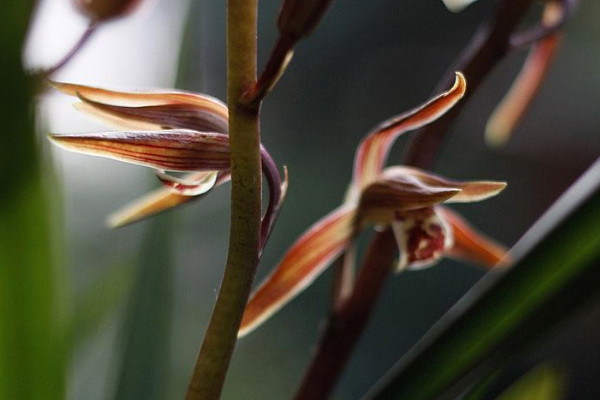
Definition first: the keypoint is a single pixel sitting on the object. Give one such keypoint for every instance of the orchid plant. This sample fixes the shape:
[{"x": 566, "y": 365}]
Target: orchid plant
[{"x": 194, "y": 143}]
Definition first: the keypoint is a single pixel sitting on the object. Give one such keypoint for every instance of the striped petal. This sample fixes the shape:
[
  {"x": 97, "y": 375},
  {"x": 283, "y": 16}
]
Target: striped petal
[
  {"x": 422, "y": 236},
  {"x": 373, "y": 150},
  {"x": 300, "y": 266},
  {"x": 172, "y": 150},
  {"x": 175, "y": 116},
  {"x": 470, "y": 245},
  {"x": 527, "y": 84},
  {"x": 142, "y": 99},
  {"x": 470, "y": 191}
]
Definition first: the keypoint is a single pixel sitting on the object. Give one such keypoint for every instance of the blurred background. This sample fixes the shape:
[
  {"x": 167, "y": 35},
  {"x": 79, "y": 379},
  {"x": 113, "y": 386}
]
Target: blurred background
[{"x": 142, "y": 295}]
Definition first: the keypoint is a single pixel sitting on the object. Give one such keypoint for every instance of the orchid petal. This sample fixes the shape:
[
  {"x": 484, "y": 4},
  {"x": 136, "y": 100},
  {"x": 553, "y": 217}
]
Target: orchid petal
[
  {"x": 172, "y": 150},
  {"x": 470, "y": 191},
  {"x": 527, "y": 84},
  {"x": 300, "y": 266},
  {"x": 114, "y": 121},
  {"x": 457, "y": 5},
  {"x": 142, "y": 99},
  {"x": 384, "y": 200},
  {"x": 157, "y": 201},
  {"x": 178, "y": 115},
  {"x": 373, "y": 150},
  {"x": 201, "y": 183},
  {"x": 471, "y": 245},
  {"x": 422, "y": 236}
]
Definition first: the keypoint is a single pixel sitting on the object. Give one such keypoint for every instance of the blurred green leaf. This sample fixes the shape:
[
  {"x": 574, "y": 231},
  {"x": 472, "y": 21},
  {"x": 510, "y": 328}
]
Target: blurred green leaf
[
  {"x": 33, "y": 329},
  {"x": 543, "y": 383},
  {"x": 101, "y": 300},
  {"x": 555, "y": 272},
  {"x": 145, "y": 363}
]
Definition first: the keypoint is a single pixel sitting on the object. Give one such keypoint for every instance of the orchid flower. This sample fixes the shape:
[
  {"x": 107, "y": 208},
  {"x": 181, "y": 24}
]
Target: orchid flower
[
  {"x": 407, "y": 199},
  {"x": 167, "y": 131}
]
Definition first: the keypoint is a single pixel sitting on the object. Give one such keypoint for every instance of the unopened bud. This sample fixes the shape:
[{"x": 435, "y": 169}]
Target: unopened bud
[
  {"x": 103, "y": 10},
  {"x": 298, "y": 18}
]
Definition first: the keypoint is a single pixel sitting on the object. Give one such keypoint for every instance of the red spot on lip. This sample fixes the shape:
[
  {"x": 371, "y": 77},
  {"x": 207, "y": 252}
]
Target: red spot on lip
[{"x": 424, "y": 244}]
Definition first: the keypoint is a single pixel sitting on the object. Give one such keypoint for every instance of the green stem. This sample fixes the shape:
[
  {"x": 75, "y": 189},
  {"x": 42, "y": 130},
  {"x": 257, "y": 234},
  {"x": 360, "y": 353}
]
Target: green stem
[{"x": 242, "y": 260}]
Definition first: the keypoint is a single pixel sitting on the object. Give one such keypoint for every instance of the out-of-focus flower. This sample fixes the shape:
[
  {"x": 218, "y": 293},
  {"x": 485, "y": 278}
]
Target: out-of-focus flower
[
  {"x": 407, "y": 199},
  {"x": 457, "y": 5},
  {"x": 104, "y": 10},
  {"x": 515, "y": 104},
  {"x": 168, "y": 131}
]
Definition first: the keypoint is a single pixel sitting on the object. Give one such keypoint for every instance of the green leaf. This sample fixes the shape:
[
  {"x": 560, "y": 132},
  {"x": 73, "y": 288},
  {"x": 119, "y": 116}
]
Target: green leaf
[
  {"x": 101, "y": 300},
  {"x": 543, "y": 383},
  {"x": 555, "y": 272},
  {"x": 33, "y": 352},
  {"x": 146, "y": 333}
]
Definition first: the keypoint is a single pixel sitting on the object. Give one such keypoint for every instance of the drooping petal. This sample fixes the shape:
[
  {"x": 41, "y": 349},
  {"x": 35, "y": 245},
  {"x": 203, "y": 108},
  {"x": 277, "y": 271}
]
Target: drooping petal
[
  {"x": 176, "y": 116},
  {"x": 470, "y": 191},
  {"x": 143, "y": 99},
  {"x": 300, "y": 266},
  {"x": 172, "y": 150},
  {"x": 457, "y": 5},
  {"x": 157, "y": 201},
  {"x": 423, "y": 236},
  {"x": 200, "y": 184},
  {"x": 392, "y": 194},
  {"x": 470, "y": 245},
  {"x": 373, "y": 150},
  {"x": 527, "y": 84}
]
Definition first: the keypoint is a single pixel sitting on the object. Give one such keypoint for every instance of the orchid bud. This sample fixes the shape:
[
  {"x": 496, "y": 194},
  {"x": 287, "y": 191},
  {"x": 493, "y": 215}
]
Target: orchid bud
[
  {"x": 298, "y": 18},
  {"x": 103, "y": 10}
]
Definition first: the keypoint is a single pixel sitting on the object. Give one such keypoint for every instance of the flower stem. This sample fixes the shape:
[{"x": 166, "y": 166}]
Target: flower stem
[
  {"x": 242, "y": 259},
  {"x": 348, "y": 321},
  {"x": 74, "y": 50}
]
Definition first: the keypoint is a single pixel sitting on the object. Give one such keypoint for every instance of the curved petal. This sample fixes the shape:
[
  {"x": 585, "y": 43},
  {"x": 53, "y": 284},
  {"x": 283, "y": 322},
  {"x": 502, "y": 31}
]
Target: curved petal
[
  {"x": 373, "y": 150},
  {"x": 176, "y": 115},
  {"x": 521, "y": 94},
  {"x": 470, "y": 245},
  {"x": 300, "y": 266},
  {"x": 141, "y": 98},
  {"x": 172, "y": 150},
  {"x": 470, "y": 191},
  {"x": 157, "y": 201},
  {"x": 423, "y": 236}
]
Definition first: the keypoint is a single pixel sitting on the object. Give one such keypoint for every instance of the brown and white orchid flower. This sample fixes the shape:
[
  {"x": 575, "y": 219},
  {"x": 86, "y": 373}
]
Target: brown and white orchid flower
[
  {"x": 168, "y": 131},
  {"x": 407, "y": 199}
]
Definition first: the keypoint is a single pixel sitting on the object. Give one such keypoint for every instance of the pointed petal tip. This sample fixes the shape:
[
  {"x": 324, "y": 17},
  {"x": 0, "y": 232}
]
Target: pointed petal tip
[{"x": 460, "y": 84}]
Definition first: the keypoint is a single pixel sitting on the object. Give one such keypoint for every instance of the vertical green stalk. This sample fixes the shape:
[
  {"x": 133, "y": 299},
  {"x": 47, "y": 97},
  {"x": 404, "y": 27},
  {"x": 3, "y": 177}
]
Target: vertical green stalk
[
  {"x": 32, "y": 345},
  {"x": 242, "y": 260}
]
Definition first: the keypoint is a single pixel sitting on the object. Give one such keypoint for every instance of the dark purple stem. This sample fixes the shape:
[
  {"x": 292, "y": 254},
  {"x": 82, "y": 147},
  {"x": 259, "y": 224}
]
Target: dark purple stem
[
  {"x": 349, "y": 320},
  {"x": 489, "y": 45},
  {"x": 78, "y": 46},
  {"x": 541, "y": 31}
]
